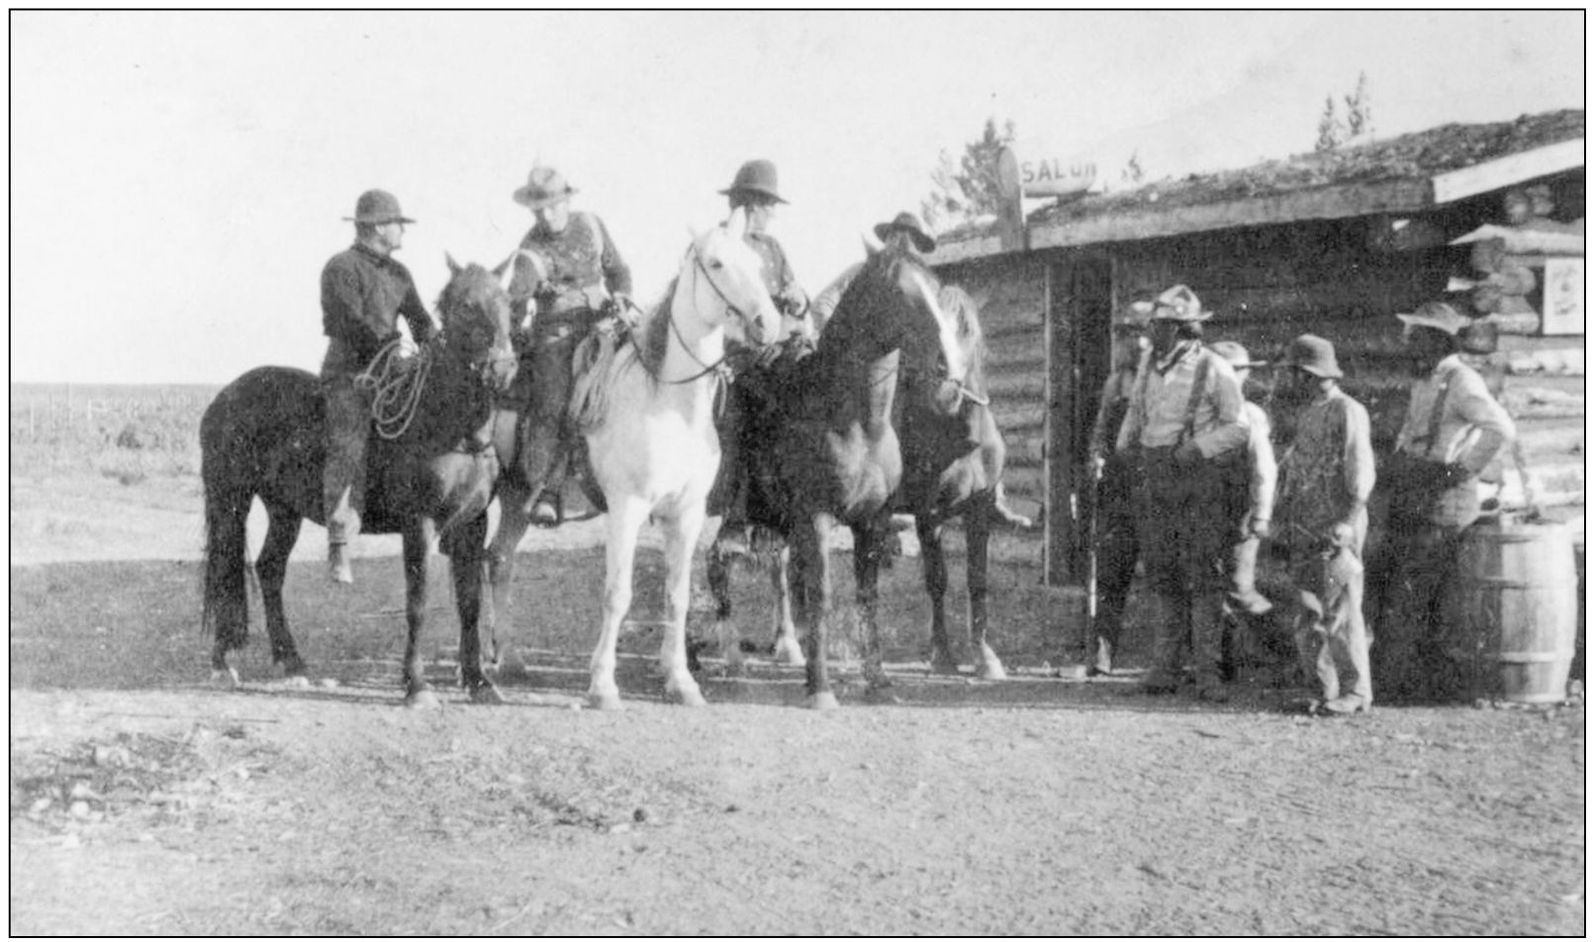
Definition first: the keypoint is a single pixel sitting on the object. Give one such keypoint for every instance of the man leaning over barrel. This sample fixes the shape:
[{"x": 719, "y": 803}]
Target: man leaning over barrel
[{"x": 1452, "y": 429}]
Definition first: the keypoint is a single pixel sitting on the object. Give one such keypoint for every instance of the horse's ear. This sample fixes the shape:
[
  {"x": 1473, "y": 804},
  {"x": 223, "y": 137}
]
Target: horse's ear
[
  {"x": 453, "y": 266},
  {"x": 737, "y": 223},
  {"x": 871, "y": 245},
  {"x": 502, "y": 268}
]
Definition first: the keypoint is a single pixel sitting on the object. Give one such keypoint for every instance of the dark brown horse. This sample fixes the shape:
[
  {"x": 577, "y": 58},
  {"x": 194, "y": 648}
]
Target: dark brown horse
[
  {"x": 941, "y": 480},
  {"x": 262, "y": 437},
  {"x": 829, "y": 452}
]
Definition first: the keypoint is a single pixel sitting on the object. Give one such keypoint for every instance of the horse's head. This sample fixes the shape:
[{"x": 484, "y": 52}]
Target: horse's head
[
  {"x": 475, "y": 320},
  {"x": 894, "y": 304},
  {"x": 722, "y": 277}
]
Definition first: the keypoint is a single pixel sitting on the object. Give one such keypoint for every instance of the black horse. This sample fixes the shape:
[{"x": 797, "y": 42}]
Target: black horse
[
  {"x": 263, "y": 437},
  {"x": 829, "y": 451}
]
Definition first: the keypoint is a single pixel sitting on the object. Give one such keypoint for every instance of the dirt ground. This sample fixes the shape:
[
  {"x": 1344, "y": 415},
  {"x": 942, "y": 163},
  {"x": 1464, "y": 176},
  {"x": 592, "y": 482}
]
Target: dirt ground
[{"x": 146, "y": 801}]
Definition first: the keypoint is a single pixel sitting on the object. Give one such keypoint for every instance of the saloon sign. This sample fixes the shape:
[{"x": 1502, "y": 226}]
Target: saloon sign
[{"x": 1056, "y": 176}]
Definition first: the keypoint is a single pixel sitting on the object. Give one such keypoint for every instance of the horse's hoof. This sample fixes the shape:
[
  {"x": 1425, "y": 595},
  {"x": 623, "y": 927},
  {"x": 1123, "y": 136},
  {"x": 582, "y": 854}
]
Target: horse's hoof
[
  {"x": 226, "y": 678},
  {"x": 487, "y": 695},
  {"x": 790, "y": 655},
  {"x": 295, "y": 682},
  {"x": 881, "y": 695},
  {"x": 604, "y": 701},
  {"x": 823, "y": 701},
  {"x": 992, "y": 670},
  {"x": 689, "y": 697},
  {"x": 944, "y": 664},
  {"x": 422, "y": 700}
]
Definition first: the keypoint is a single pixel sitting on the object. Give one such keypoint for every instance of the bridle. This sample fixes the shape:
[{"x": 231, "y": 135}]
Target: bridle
[{"x": 719, "y": 367}]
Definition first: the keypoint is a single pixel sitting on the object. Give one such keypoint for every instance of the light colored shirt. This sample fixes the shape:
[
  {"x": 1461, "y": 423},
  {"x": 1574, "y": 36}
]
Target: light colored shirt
[
  {"x": 1328, "y": 472},
  {"x": 1469, "y": 430},
  {"x": 1158, "y": 411},
  {"x": 1263, "y": 465}
]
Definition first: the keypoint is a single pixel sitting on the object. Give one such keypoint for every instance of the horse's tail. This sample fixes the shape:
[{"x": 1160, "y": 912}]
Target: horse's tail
[
  {"x": 590, "y": 392},
  {"x": 227, "y": 499}
]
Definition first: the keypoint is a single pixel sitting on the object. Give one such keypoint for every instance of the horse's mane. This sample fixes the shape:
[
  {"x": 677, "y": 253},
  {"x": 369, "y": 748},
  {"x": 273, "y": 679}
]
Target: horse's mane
[
  {"x": 655, "y": 331},
  {"x": 959, "y": 305},
  {"x": 597, "y": 354}
]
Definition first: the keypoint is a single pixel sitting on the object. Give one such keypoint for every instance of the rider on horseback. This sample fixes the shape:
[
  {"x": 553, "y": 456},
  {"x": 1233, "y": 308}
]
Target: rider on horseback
[
  {"x": 569, "y": 268},
  {"x": 756, "y": 187},
  {"x": 364, "y": 291}
]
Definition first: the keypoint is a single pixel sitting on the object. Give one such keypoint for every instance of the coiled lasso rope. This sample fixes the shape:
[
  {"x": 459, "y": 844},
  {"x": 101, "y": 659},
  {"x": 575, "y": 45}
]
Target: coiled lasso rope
[{"x": 395, "y": 387}]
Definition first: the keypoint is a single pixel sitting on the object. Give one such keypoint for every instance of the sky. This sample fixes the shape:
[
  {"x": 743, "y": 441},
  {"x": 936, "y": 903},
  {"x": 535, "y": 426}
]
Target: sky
[{"x": 178, "y": 179}]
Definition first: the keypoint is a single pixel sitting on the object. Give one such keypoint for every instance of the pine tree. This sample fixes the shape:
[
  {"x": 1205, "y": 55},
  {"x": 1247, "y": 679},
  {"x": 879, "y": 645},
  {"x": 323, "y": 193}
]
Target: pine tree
[
  {"x": 1358, "y": 109},
  {"x": 1329, "y": 130},
  {"x": 968, "y": 188}
]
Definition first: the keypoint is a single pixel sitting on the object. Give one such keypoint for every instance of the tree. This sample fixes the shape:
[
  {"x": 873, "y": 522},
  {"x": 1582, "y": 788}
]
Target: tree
[
  {"x": 1331, "y": 132},
  {"x": 966, "y": 189},
  {"x": 1358, "y": 108},
  {"x": 1329, "y": 129}
]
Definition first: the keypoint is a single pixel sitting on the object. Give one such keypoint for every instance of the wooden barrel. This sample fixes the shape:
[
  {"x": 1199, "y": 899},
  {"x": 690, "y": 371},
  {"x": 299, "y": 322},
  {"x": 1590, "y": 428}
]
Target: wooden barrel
[{"x": 1517, "y": 593}]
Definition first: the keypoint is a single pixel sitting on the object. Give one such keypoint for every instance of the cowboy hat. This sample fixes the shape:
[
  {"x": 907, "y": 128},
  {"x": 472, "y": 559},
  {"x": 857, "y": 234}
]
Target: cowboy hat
[
  {"x": 544, "y": 187},
  {"x": 910, "y": 224},
  {"x": 756, "y": 176},
  {"x": 1438, "y": 316},
  {"x": 1236, "y": 355},
  {"x": 1178, "y": 303},
  {"x": 376, "y": 207},
  {"x": 1314, "y": 355}
]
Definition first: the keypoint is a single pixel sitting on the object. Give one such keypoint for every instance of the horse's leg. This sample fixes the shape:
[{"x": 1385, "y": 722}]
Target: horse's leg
[
  {"x": 787, "y": 649},
  {"x": 933, "y": 556},
  {"x": 226, "y": 605},
  {"x": 625, "y": 519},
  {"x": 680, "y": 538},
  {"x": 465, "y": 549},
  {"x": 810, "y": 587},
  {"x": 976, "y": 530},
  {"x": 417, "y": 543},
  {"x": 272, "y": 568},
  {"x": 514, "y": 518},
  {"x": 720, "y": 566},
  {"x": 868, "y": 542}
]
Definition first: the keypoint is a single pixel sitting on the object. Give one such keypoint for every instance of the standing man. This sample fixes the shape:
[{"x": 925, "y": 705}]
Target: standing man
[
  {"x": 1185, "y": 426},
  {"x": 1452, "y": 430},
  {"x": 364, "y": 291},
  {"x": 1254, "y": 493},
  {"x": 1116, "y": 542},
  {"x": 570, "y": 269},
  {"x": 1328, "y": 475}
]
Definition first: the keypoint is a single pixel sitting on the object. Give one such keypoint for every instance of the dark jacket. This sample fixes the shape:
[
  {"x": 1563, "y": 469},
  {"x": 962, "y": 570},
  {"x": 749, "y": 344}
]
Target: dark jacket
[{"x": 362, "y": 296}]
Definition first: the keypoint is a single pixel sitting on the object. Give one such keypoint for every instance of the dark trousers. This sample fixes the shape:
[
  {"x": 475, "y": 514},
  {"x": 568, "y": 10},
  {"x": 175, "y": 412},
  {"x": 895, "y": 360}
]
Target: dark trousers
[
  {"x": 545, "y": 446},
  {"x": 1186, "y": 530},
  {"x": 1116, "y": 557},
  {"x": 348, "y": 417},
  {"x": 1416, "y": 654}
]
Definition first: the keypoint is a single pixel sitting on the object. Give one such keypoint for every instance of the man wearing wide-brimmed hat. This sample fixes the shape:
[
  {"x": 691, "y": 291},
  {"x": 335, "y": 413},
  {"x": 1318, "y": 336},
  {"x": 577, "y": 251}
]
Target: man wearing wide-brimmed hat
[
  {"x": 756, "y": 188},
  {"x": 906, "y": 233},
  {"x": 568, "y": 277},
  {"x": 364, "y": 291},
  {"x": 1452, "y": 430},
  {"x": 1327, "y": 478},
  {"x": 756, "y": 191},
  {"x": 1185, "y": 428}
]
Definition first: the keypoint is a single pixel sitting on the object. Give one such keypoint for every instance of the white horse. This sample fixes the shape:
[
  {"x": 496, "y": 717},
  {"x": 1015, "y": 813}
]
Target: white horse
[{"x": 651, "y": 440}]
